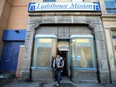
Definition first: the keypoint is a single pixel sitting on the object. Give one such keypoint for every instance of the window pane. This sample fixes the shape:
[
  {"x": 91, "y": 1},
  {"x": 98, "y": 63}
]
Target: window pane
[
  {"x": 114, "y": 10},
  {"x": 42, "y": 52},
  {"x": 45, "y": 40},
  {"x": 81, "y": 53},
  {"x": 77, "y": 0},
  {"x": 54, "y": 46},
  {"x": 84, "y": 56},
  {"x": 34, "y": 55},
  {"x": 109, "y": 11},
  {"x": 82, "y": 41},
  {"x": 114, "y": 41},
  {"x": 109, "y": 0},
  {"x": 110, "y": 4},
  {"x": 43, "y": 58},
  {"x": 73, "y": 53},
  {"x": 49, "y": 0},
  {"x": 54, "y": 49}
]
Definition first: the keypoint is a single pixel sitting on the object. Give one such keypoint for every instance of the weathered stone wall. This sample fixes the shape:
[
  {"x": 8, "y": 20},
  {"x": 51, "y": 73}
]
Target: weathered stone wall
[
  {"x": 84, "y": 75},
  {"x": 92, "y": 19},
  {"x": 43, "y": 75},
  {"x": 109, "y": 22}
]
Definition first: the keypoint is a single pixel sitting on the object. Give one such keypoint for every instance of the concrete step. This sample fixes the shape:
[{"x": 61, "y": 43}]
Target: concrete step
[
  {"x": 64, "y": 83},
  {"x": 65, "y": 78}
]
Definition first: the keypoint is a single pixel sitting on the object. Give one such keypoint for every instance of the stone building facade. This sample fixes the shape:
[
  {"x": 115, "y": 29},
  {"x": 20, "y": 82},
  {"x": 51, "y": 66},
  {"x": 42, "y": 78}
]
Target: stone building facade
[{"x": 86, "y": 40}]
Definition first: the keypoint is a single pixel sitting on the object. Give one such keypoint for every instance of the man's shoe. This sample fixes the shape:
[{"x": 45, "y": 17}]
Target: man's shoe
[{"x": 57, "y": 84}]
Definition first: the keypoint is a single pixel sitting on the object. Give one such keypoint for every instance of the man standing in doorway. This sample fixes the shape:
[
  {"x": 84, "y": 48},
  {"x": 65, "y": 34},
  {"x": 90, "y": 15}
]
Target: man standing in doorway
[{"x": 58, "y": 65}]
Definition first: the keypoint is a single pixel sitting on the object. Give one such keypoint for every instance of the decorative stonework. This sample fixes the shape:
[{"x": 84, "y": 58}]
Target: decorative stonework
[
  {"x": 111, "y": 56},
  {"x": 93, "y": 22}
]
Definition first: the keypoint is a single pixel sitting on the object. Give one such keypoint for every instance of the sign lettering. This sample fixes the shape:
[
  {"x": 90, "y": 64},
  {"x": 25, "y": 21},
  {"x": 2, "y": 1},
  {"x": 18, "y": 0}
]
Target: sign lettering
[{"x": 54, "y": 6}]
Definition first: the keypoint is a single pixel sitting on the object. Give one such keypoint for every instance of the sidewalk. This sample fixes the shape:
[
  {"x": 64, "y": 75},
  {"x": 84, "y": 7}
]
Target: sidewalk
[
  {"x": 6, "y": 78},
  {"x": 18, "y": 83}
]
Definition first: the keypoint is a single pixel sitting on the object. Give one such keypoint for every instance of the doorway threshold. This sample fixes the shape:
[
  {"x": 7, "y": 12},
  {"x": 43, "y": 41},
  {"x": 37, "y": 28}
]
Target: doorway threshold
[{"x": 65, "y": 78}]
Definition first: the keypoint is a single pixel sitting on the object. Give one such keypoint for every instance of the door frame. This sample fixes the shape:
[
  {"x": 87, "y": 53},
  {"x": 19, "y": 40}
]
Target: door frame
[{"x": 68, "y": 62}]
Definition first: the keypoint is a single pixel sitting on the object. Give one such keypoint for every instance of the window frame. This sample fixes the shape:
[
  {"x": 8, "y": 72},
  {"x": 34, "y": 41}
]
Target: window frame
[
  {"x": 36, "y": 45},
  {"x": 34, "y": 65},
  {"x": 92, "y": 55},
  {"x": 110, "y": 10}
]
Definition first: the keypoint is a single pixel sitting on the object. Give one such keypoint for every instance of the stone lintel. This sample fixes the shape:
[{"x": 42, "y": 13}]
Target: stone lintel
[{"x": 65, "y": 14}]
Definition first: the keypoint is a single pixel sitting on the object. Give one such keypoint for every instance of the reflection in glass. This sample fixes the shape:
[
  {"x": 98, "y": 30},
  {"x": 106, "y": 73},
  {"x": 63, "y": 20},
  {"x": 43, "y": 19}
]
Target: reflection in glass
[
  {"x": 84, "y": 56},
  {"x": 82, "y": 41},
  {"x": 110, "y": 6},
  {"x": 54, "y": 46},
  {"x": 44, "y": 50},
  {"x": 43, "y": 57},
  {"x": 82, "y": 53},
  {"x": 45, "y": 40},
  {"x": 73, "y": 53}
]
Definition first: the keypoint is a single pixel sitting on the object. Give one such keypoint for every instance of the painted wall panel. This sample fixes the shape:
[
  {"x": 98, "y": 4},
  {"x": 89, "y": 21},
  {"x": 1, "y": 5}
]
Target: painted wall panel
[
  {"x": 13, "y": 35},
  {"x": 8, "y": 62}
]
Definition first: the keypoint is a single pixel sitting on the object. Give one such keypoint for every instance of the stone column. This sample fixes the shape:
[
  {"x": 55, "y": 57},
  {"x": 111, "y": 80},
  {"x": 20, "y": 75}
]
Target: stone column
[
  {"x": 20, "y": 60},
  {"x": 111, "y": 56},
  {"x": 101, "y": 54},
  {"x": 28, "y": 51},
  {"x": 100, "y": 44}
]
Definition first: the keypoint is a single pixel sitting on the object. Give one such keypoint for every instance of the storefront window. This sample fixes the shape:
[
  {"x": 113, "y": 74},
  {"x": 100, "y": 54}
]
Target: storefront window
[
  {"x": 44, "y": 51},
  {"x": 82, "y": 53}
]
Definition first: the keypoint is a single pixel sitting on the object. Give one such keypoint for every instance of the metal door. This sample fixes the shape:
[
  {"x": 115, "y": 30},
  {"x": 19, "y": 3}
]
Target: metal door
[{"x": 8, "y": 62}]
